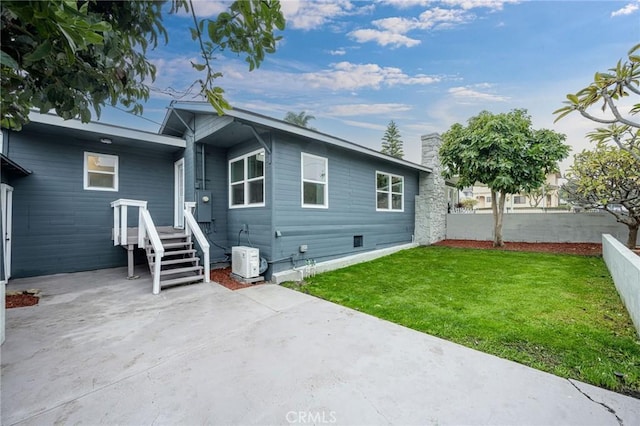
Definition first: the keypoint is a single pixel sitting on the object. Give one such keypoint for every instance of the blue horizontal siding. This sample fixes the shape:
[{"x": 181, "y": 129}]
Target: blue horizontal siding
[
  {"x": 328, "y": 233},
  {"x": 60, "y": 227}
]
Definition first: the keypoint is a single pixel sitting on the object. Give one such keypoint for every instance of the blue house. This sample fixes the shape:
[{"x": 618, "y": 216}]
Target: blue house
[{"x": 72, "y": 191}]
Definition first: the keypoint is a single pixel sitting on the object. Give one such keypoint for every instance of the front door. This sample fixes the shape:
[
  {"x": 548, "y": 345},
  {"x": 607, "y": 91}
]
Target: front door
[
  {"x": 178, "y": 215},
  {"x": 6, "y": 203}
]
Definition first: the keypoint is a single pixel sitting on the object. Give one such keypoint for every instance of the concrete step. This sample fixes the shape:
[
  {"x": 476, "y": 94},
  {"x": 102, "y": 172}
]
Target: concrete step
[{"x": 175, "y": 271}]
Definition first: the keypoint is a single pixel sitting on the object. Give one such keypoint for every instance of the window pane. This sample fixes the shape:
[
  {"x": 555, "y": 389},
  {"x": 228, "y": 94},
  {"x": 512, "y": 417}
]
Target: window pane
[
  {"x": 383, "y": 200},
  {"x": 256, "y": 191},
  {"x": 100, "y": 180},
  {"x": 396, "y": 202},
  {"x": 237, "y": 194},
  {"x": 382, "y": 182},
  {"x": 97, "y": 163},
  {"x": 255, "y": 166},
  {"x": 237, "y": 171},
  {"x": 313, "y": 193},
  {"x": 313, "y": 168},
  {"x": 396, "y": 184}
]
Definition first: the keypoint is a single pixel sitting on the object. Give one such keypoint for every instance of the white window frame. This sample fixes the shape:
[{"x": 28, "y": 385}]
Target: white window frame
[
  {"x": 389, "y": 192},
  {"x": 246, "y": 181},
  {"x": 115, "y": 173},
  {"x": 325, "y": 183}
]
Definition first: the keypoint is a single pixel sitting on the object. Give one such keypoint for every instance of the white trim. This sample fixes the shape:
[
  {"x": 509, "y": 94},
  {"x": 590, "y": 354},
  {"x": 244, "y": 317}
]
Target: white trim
[
  {"x": 245, "y": 181},
  {"x": 178, "y": 202},
  {"x": 6, "y": 205},
  {"x": 85, "y": 172},
  {"x": 390, "y": 208},
  {"x": 107, "y": 130},
  {"x": 325, "y": 183}
]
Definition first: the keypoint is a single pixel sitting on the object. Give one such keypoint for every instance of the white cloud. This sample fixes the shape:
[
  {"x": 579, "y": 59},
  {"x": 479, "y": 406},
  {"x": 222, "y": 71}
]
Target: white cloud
[
  {"x": 348, "y": 76},
  {"x": 391, "y": 31},
  {"x": 463, "y": 4},
  {"x": 627, "y": 10},
  {"x": 366, "y": 109},
  {"x": 474, "y": 4},
  {"x": 365, "y": 125},
  {"x": 208, "y": 9},
  {"x": 308, "y": 15},
  {"x": 338, "y": 52},
  {"x": 383, "y": 38},
  {"x": 404, "y": 4},
  {"x": 470, "y": 94}
]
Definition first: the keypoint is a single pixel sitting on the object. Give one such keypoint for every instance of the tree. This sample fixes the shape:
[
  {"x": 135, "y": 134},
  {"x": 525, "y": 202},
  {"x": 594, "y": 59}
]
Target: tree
[
  {"x": 301, "y": 119},
  {"x": 503, "y": 152},
  {"x": 536, "y": 195},
  {"x": 391, "y": 142},
  {"x": 73, "y": 57},
  {"x": 609, "y": 88},
  {"x": 607, "y": 178}
]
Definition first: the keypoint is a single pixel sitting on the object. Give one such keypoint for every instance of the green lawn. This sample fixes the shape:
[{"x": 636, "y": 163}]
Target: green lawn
[{"x": 557, "y": 313}]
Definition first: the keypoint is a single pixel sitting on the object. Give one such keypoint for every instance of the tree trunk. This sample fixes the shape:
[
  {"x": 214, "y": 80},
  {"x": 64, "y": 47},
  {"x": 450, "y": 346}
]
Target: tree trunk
[
  {"x": 633, "y": 237},
  {"x": 498, "y": 211}
]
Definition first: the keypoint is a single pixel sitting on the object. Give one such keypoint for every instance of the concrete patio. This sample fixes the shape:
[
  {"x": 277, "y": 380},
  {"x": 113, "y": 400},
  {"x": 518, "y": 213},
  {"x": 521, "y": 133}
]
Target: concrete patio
[{"x": 100, "y": 349}]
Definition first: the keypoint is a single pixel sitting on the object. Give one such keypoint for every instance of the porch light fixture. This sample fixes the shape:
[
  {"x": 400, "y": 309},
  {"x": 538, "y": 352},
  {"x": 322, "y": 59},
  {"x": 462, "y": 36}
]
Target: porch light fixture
[{"x": 106, "y": 140}]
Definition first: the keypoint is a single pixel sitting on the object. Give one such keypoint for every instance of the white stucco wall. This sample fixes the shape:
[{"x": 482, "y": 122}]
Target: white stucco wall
[{"x": 624, "y": 267}]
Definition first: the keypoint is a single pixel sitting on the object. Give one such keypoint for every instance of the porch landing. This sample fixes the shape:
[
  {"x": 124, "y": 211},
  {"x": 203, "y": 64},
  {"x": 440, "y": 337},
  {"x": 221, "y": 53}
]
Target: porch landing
[{"x": 168, "y": 231}]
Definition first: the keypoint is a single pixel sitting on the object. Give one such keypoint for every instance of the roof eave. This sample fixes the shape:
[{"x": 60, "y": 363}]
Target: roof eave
[
  {"x": 107, "y": 129},
  {"x": 272, "y": 123}
]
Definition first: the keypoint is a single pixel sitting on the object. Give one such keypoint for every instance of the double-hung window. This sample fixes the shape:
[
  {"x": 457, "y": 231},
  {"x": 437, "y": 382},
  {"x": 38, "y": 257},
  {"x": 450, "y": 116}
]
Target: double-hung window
[
  {"x": 100, "y": 172},
  {"x": 315, "y": 183},
  {"x": 389, "y": 192},
  {"x": 246, "y": 180}
]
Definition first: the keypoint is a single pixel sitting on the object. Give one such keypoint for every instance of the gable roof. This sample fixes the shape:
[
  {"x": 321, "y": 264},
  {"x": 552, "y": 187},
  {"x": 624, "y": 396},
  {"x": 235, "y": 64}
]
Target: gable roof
[{"x": 180, "y": 113}]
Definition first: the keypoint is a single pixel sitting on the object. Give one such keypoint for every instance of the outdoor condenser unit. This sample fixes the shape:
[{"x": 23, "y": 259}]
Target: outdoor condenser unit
[{"x": 245, "y": 261}]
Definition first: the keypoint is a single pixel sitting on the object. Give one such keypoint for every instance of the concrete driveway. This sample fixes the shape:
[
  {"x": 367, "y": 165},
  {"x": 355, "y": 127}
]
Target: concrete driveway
[{"x": 99, "y": 349}]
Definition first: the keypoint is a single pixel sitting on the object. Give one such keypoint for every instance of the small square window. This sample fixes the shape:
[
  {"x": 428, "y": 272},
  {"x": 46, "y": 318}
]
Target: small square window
[
  {"x": 358, "y": 241},
  {"x": 100, "y": 172}
]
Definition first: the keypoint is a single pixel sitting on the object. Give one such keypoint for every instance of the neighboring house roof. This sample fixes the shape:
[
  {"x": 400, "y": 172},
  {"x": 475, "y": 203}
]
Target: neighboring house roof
[
  {"x": 239, "y": 123},
  {"x": 115, "y": 134},
  {"x": 13, "y": 168}
]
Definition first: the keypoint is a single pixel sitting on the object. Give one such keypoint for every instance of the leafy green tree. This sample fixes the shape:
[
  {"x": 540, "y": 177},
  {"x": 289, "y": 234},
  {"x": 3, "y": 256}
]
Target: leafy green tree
[
  {"x": 503, "y": 152},
  {"x": 607, "y": 178},
  {"x": 301, "y": 119},
  {"x": 536, "y": 195},
  {"x": 609, "y": 88},
  {"x": 73, "y": 57},
  {"x": 391, "y": 143}
]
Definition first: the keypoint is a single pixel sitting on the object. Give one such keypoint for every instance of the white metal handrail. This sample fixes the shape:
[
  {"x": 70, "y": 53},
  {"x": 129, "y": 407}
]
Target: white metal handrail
[
  {"x": 146, "y": 228},
  {"x": 191, "y": 227}
]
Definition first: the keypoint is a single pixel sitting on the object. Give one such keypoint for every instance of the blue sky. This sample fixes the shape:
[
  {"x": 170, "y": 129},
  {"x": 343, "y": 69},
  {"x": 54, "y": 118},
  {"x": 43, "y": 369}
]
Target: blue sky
[{"x": 425, "y": 64}]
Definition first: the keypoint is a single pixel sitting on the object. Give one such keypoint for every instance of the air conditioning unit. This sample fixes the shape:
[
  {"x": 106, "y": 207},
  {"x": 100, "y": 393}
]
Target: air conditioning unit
[{"x": 245, "y": 261}]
